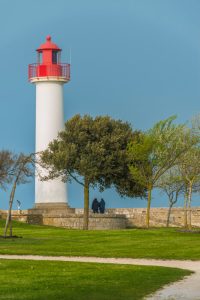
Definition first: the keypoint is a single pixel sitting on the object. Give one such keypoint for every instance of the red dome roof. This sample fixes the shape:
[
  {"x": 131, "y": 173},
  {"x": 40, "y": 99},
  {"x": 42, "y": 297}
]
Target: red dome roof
[{"x": 48, "y": 45}]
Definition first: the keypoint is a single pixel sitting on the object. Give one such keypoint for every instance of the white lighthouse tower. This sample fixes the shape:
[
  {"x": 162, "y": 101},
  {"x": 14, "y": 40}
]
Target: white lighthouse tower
[{"x": 49, "y": 75}]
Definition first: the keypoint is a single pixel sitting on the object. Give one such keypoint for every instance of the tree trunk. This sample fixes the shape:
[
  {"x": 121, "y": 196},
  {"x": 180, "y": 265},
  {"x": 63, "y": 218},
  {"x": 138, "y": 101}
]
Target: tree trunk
[
  {"x": 185, "y": 209},
  {"x": 168, "y": 214},
  {"x": 189, "y": 205},
  {"x": 10, "y": 225},
  {"x": 9, "y": 215},
  {"x": 86, "y": 205},
  {"x": 148, "y": 206}
]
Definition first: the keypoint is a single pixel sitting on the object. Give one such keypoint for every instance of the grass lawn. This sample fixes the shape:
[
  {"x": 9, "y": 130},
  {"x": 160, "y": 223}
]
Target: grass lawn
[
  {"x": 136, "y": 243},
  {"x": 40, "y": 280}
]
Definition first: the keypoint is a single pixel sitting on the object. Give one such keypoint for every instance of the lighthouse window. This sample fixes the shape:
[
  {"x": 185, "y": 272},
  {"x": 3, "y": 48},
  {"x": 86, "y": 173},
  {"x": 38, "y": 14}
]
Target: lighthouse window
[
  {"x": 54, "y": 57},
  {"x": 39, "y": 57}
]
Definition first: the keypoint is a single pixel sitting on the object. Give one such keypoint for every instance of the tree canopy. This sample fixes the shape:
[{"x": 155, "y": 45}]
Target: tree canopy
[
  {"x": 93, "y": 152},
  {"x": 156, "y": 151}
]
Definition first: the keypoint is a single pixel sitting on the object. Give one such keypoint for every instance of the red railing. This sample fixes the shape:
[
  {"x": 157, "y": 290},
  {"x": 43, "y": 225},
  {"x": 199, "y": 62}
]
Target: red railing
[{"x": 55, "y": 70}]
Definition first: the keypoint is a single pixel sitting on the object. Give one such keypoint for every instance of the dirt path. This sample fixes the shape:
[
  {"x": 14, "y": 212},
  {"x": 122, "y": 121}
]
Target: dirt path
[{"x": 186, "y": 289}]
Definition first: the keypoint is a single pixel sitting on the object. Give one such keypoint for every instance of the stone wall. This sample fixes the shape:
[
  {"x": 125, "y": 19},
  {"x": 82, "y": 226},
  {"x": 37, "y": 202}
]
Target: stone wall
[
  {"x": 115, "y": 218},
  {"x": 96, "y": 222},
  {"x": 66, "y": 220},
  {"x": 135, "y": 217},
  {"x": 158, "y": 216},
  {"x": 18, "y": 215}
]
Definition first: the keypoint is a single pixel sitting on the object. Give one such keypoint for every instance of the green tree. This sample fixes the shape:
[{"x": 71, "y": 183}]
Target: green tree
[
  {"x": 155, "y": 152},
  {"x": 93, "y": 153},
  {"x": 22, "y": 171}
]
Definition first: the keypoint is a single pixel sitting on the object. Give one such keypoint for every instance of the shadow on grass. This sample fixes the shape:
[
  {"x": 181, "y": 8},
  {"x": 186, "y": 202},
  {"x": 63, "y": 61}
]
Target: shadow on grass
[{"x": 10, "y": 237}]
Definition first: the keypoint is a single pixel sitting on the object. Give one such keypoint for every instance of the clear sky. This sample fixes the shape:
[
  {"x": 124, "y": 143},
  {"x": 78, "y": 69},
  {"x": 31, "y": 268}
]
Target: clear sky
[{"x": 135, "y": 60}]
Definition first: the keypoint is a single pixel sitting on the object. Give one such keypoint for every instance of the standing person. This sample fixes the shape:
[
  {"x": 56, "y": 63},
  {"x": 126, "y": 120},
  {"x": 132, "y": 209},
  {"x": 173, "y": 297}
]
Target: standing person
[
  {"x": 95, "y": 206},
  {"x": 19, "y": 206},
  {"x": 102, "y": 206}
]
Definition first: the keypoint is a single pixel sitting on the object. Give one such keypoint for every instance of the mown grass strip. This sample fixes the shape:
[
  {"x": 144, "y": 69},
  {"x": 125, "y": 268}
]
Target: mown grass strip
[
  {"x": 35, "y": 280},
  {"x": 134, "y": 243}
]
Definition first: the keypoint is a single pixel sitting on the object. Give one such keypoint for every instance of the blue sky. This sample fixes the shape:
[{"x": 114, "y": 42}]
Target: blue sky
[{"x": 135, "y": 60}]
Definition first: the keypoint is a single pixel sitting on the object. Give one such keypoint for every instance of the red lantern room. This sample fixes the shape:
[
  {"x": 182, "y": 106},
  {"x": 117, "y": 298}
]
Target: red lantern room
[{"x": 48, "y": 66}]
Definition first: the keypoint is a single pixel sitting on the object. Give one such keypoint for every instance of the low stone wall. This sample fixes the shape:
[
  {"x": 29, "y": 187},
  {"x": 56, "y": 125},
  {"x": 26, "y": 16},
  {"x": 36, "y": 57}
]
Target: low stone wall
[
  {"x": 66, "y": 220},
  {"x": 115, "y": 218},
  {"x": 96, "y": 222},
  {"x": 18, "y": 215},
  {"x": 136, "y": 217}
]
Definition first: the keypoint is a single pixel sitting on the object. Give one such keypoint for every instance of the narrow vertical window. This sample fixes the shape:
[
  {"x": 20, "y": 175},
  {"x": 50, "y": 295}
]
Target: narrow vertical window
[{"x": 54, "y": 57}]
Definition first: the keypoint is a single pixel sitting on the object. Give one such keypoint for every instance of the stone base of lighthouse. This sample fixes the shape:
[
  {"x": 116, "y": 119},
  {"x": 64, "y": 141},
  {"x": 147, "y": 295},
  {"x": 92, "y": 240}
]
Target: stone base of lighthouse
[{"x": 53, "y": 208}]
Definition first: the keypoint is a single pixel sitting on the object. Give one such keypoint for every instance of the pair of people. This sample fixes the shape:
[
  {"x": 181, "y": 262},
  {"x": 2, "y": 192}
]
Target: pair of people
[{"x": 98, "y": 207}]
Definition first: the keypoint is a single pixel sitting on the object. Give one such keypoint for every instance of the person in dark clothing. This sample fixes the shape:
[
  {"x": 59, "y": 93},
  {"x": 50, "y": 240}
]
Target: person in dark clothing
[
  {"x": 102, "y": 206},
  {"x": 95, "y": 206}
]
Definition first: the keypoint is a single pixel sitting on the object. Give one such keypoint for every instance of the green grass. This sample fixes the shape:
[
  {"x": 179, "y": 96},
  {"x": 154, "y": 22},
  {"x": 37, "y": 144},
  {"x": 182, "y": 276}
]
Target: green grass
[
  {"x": 136, "y": 243},
  {"x": 40, "y": 280}
]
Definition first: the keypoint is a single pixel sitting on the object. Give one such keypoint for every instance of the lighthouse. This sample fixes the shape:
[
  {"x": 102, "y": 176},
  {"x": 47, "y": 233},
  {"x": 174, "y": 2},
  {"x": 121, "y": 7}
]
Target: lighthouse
[{"x": 49, "y": 76}]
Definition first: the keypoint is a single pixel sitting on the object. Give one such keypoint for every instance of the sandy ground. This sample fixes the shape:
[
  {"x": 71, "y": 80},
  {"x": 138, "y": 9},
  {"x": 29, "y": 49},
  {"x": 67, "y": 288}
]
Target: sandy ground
[{"x": 186, "y": 289}]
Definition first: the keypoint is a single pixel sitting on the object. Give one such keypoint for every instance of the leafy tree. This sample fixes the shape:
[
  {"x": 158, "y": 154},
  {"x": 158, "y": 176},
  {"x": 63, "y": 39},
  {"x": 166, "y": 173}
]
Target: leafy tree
[
  {"x": 93, "y": 153},
  {"x": 172, "y": 185},
  {"x": 155, "y": 152},
  {"x": 22, "y": 170}
]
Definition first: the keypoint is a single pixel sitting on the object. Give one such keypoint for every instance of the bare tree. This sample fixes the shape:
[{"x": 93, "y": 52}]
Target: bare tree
[
  {"x": 172, "y": 185},
  {"x": 189, "y": 166},
  {"x": 7, "y": 159},
  {"x": 22, "y": 171}
]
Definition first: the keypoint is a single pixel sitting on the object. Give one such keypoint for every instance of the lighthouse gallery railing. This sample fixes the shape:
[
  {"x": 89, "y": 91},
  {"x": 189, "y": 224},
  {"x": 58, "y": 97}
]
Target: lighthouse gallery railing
[{"x": 55, "y": 70}]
